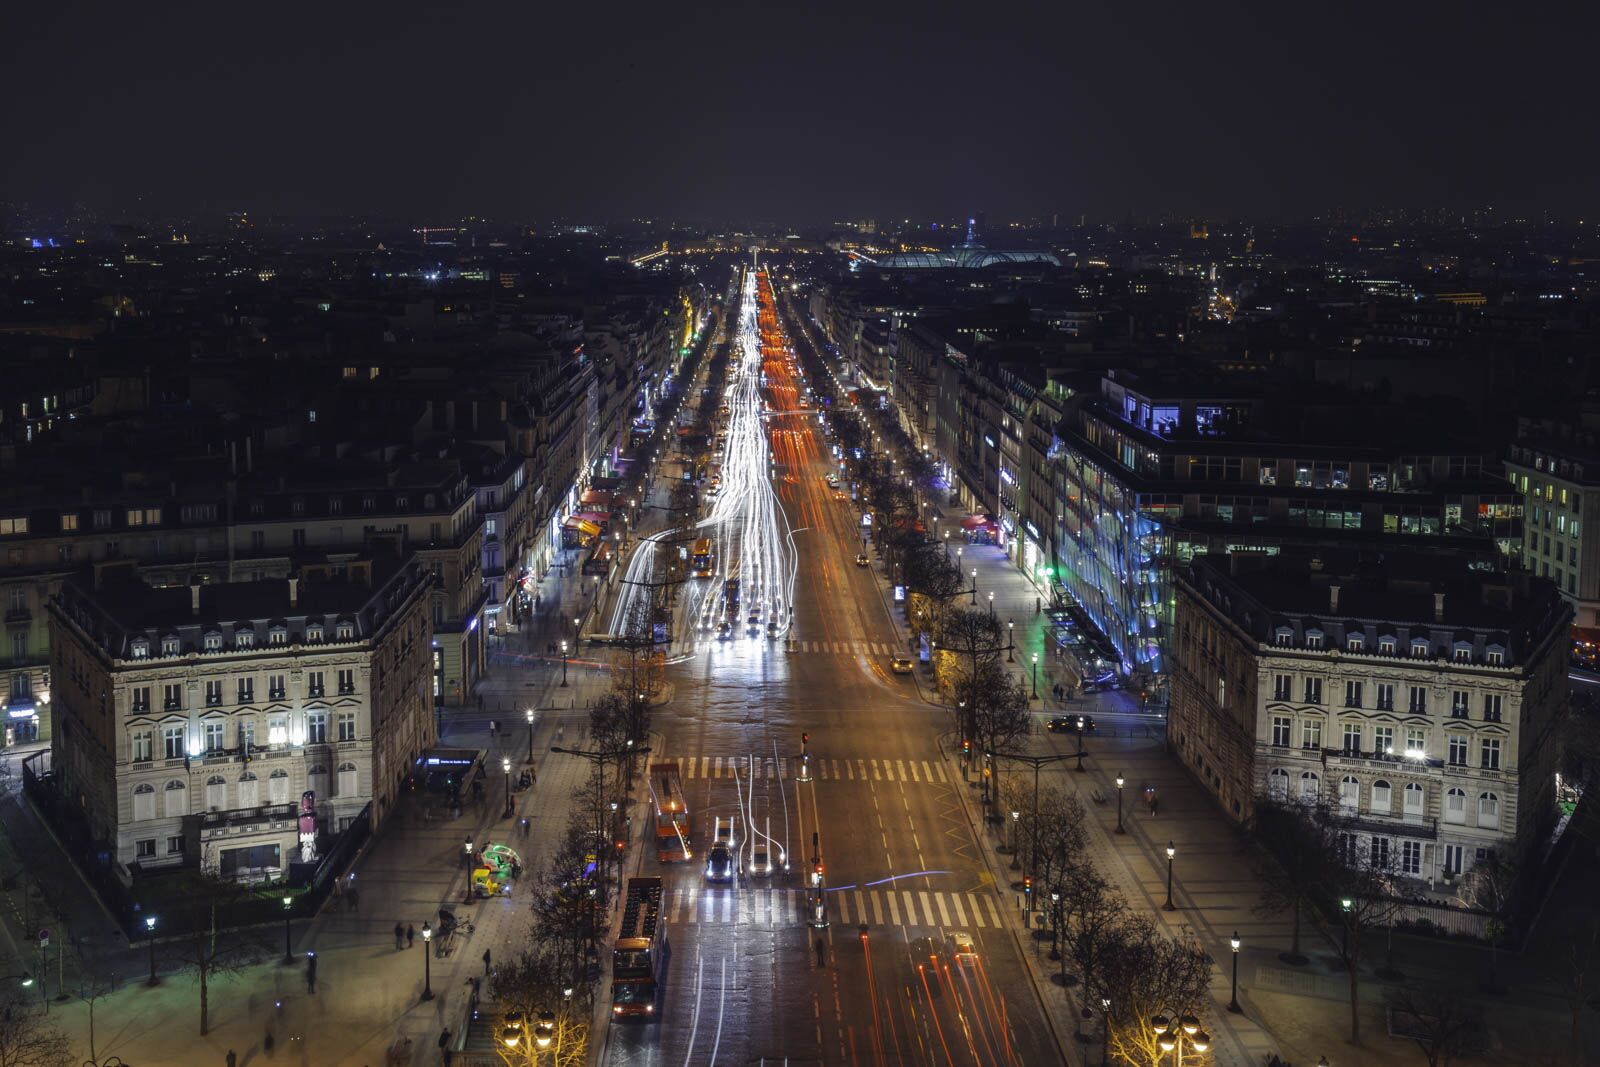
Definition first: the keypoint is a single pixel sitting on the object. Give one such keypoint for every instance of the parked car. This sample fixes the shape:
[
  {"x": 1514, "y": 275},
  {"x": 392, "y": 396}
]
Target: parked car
[{"x": 900, "y": 665}]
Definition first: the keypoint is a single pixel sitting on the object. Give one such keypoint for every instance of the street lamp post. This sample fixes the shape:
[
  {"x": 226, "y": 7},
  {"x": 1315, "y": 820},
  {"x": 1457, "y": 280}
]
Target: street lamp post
[
  {"x": 505, "y": 765},
  {"x": 150, "y": 937},
  {"x": 529, "y": 715},
  {"x": 1011, "y": 644},
  {"x": 991, "y": 603},
  {"x": 1121, "y": 781},
  {"x": 1082, "y": 725},
  {"x": 288, "y": 903},
  {"x": 1172, "y": 852},
  {"x": 974, "y": 587},
  {"x": 427, "y": 966},
  {"x": 1016, "y": 817},
  {"x": 1035, "y": 676},
  {"x": 563, "y": 663},
  {"x": 1233, "y": 999},
  {"x": 1105, "y": 1029},
  {"x": 1172, "y": 1033}
]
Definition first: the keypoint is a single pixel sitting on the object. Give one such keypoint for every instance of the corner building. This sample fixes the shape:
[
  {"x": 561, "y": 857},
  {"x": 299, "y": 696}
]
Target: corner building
[
  {"x": 194, "y": 721},
  {"x": 1416, "y": 700}
]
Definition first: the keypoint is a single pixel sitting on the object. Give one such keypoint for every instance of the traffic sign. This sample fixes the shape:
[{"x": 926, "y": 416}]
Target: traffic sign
[{"x": 44, "y": 937}]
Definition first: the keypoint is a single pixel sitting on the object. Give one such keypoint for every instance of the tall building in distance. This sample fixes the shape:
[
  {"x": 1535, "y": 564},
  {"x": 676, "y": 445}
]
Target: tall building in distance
[{"x": 198, "y": 725}]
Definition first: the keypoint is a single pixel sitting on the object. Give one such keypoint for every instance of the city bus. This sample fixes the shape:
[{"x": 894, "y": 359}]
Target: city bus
[
  {"x": 638, "y": 959},
  {"x": 702, "y": 558},
  {"x": 671, "y": 813}
]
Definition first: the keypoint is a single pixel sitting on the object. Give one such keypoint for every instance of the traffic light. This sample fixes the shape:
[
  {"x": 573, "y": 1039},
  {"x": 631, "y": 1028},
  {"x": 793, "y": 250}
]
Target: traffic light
[
  {"x": 805, "y": 739},
  {"x": 1027, "y": 883},
  {"x": 966, "y": 746}
]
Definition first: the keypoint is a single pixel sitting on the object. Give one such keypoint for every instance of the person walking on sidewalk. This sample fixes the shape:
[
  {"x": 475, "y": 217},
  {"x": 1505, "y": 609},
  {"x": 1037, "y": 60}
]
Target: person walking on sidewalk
[
  {"x": 399, "y": 932},
  {"x": 311, "y": 972},
  {"x": 411, "y": 935},
  {"x": 486, "y": 959}
]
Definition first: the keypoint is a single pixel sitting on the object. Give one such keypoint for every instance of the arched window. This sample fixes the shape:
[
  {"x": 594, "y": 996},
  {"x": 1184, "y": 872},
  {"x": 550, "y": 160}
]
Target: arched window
[
  {"x": 1416, "y": 799},
  {"x": 144, "y": 802},
  {"x": 1489, "y": 811},
  {"x": 347, "y": 780},
  {"x": 1349, "y": 792},
  {"x": 249, "y": 790},
  {"x": 1278, "y": 784},
  {"x": 317, "y": 780},
  {"x": 216, "y": 792},
  {"x": 177, "y": 799},
  {"x": 1381, "y": 797},
  {"x": 278, "y": 786},
  {"x": 1309, "y": 786},
  {"x": 1455, "y": 806}
]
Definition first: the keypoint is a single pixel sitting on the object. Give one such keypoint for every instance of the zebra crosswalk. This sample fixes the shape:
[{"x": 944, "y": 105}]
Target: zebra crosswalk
[
  {"x": 826, "y": 769},
  {"x": 829, "y": 648},
  {"x": 848, "y": 906}
]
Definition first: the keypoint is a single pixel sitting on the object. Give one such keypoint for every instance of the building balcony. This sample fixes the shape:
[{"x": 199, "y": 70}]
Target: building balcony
[
  {"x": 1397, "y": 825},
  {"x": 19, "y": 615},
  {"x": 1369, "y": 761},
  {"x": 258, "y": 817}
]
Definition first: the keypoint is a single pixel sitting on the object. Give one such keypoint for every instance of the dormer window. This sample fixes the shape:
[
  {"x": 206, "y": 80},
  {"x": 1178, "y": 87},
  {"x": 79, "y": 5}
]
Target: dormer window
[
  {"x": 278, "y": 635},
  {"x": 1419, "y": 648},
  {"x": 313, "y": 633},
  {"x": 213, "y": 641},
  {"x": 140, "y": 649},
  {"x": 1283, "y": 636},
  {"x": 169, "y": 646},
  {"x": 297, "y": 506},
  {"x": 335, "y": 505},
  {"x": 1461, "y": 652},
  {"x": 1313, "y": 638},
  {"x": 1387, "y": 645},
  {"x": 1355, "y": 642},
  {"x": 1495, "y": 655},
  {"x": 244, "y": 638},
  {"x": 428, "y": 501},
  {"x": 368, "y": 503},
  {"x": 346, "y": 631}
]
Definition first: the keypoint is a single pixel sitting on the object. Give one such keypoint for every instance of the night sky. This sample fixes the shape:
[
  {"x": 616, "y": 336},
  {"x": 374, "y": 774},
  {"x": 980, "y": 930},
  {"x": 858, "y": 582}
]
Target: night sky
[{"x": 755, "y": 111}]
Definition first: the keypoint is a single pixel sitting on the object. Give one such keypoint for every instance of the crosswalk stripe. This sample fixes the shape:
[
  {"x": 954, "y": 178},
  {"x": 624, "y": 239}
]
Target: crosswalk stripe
[
  {"x": 944, "y": 916},
  {"x": 927, "y": 907},
  {"x": 849, "y": 771},
  {"x": 860, "y": 899},
  {"x": 877, "y": 774},
  {"x": 900, "y": 764},
  {"x": 894, "y": 909},
  {"x": 915, "y": 777},
  {"x": 955, "y": 902},
  {"x": 977, "y": 912},
  {"x": 994, "y": 911},
  {"x": 911, "y": 907},
  {"x": 877, "y": 912}
]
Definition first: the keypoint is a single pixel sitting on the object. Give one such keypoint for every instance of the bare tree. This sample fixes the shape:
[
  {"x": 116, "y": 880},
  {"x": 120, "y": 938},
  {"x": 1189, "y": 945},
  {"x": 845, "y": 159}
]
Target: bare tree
[
  {"x": 996, "y": 709},
  {"x": 972, "y": 635},
  {"x": 209, "y": 948},
  {"x": 1579, "y": 965},
  {"x": 26, "y": 1038},
  {"x": 1437, "y": 1022},
  {"x": 1094, "y": 916},
  {"x": 1293, "y": 867},
  {"x": 1360, "y": 877},
  {"x": 1146, "y": 974},
  {"x": 96, "y": 977},
  {"x": 1490, "y": 887}
]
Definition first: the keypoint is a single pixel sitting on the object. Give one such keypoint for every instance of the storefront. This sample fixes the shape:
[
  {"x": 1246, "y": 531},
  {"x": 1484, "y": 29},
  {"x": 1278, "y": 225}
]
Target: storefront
[{"x": 980, "y": 530}]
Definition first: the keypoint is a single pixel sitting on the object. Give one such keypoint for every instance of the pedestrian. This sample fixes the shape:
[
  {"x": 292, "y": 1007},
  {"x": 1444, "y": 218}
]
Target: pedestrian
[
  {"x": 233, "y": 1058},
  {"x": 354, "y": 898},
  {"x": 444, "y": 1044},
  {"x": 524, "y": 826},
  {"x": 311, "y": 972},
  {"x": 411, "y": 935},
  {"x": 486, "y": 963},
  {"x": 269, "y": 1042},
  {"x": 491, "y": 721},
  {"x": 399, "y": 932}
]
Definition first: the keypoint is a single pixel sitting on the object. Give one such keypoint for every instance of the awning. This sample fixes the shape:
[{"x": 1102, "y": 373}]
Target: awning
[
  {"x": 596, "y": 497},
  {"x": 977, "y": 522},
  {"x": 593, "y": 516},
  {"x": 582, "y": 525}
]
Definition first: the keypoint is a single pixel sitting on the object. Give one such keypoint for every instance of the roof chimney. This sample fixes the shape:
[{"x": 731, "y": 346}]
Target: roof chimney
[
  {"x": 194, "y": 598},
  {"x": 294, "y": 592},
  {"x": 1333, "y": 599},
  {"x": 1438, "y": 607}
]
